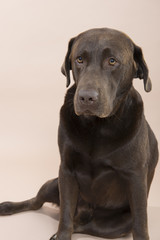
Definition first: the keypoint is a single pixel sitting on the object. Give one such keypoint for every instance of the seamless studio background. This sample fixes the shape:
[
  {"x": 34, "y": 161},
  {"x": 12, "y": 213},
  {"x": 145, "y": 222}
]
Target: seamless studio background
[{"x": 33, "y": 42}]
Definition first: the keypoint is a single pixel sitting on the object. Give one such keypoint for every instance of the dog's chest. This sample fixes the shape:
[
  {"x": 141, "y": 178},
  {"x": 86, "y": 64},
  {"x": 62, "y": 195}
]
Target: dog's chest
[{"x": 99, "y": 183}]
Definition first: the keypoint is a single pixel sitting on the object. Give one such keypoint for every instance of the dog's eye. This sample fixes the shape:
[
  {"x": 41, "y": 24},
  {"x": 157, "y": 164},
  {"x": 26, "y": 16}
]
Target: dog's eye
[
  {"x": 80, "y": 60},
  {"x": 112, "y": 61}
]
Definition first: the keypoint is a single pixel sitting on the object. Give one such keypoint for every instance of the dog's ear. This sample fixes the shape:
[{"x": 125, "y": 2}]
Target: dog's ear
[
  {"x": 66, "y": 67},
  {"x": 141, "y": 68}
]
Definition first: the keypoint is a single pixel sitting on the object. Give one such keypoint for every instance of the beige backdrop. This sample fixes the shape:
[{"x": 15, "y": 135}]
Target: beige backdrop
[{"x": 33, "y": 41}]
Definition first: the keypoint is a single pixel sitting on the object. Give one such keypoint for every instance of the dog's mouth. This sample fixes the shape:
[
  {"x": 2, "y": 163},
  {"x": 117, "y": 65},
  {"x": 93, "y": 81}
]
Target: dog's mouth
[
  {"x": 85, "y": 113},
  {"x": 89, "y": 113}
]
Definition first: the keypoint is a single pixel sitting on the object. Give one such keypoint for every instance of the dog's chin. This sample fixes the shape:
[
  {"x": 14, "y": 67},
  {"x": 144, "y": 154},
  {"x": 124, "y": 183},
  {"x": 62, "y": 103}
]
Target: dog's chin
[{"x": 88, "y": 114}]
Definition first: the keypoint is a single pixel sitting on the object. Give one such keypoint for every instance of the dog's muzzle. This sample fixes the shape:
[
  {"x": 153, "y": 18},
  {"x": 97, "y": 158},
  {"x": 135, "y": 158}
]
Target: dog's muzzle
[{"x": 86, "y": 102}]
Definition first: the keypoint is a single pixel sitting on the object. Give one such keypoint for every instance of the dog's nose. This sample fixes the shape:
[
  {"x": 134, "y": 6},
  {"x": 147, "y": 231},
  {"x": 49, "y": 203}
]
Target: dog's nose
[{"x": 88, "y": 97}]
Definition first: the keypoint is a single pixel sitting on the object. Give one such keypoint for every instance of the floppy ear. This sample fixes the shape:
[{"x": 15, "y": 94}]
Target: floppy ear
[
  {"x": 66, "y": 67},
  {"x": 142, "y": 69}
]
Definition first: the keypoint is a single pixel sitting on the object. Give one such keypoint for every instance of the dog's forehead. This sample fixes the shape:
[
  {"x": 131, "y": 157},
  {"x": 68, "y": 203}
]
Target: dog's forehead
[{"x": 102, "y": 38}]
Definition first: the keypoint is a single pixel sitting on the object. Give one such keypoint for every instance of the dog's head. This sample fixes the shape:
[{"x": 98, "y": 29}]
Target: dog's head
[{"x": 104, "y": 63}]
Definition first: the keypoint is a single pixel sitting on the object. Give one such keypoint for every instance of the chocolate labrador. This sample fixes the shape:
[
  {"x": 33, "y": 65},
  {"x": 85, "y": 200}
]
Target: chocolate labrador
[{"x": 108, "y": 150}]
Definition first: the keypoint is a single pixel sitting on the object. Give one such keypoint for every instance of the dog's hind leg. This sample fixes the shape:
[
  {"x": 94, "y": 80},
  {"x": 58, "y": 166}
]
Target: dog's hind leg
[{"x": 49, "y": 192}]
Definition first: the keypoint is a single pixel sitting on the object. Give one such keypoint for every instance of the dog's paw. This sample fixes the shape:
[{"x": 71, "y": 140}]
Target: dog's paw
[{"x": 54, "y": 237}]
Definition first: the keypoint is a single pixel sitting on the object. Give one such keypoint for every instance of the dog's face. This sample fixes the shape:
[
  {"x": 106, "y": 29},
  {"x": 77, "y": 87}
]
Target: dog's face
[{"x": 104, "y": 63}]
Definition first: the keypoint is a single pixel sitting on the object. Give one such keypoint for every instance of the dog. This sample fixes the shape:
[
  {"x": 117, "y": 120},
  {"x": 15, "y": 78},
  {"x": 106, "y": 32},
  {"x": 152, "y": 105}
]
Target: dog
[{"x": 108, "y": 150}]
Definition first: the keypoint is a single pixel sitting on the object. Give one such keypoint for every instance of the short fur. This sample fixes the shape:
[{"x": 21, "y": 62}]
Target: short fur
[{"x": 108, "y": 150}]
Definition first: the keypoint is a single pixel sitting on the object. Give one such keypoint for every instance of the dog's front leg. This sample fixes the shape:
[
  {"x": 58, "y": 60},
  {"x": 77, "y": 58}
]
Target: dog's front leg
[
  {"x": 138, "y": 204},
  {"x": 68, "y": 189}
]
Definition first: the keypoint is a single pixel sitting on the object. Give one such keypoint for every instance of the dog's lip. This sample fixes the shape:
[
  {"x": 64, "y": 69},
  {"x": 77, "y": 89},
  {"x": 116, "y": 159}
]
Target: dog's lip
[
  {"x": 90, "y": 113},
  {"x": 85, "y": 112}
]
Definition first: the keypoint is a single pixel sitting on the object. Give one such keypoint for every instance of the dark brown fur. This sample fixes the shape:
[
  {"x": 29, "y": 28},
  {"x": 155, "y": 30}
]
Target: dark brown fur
[{"x": 108, "y": 151}]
